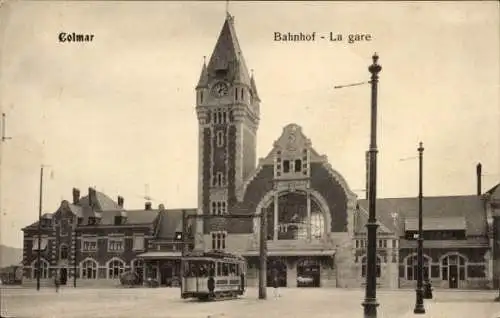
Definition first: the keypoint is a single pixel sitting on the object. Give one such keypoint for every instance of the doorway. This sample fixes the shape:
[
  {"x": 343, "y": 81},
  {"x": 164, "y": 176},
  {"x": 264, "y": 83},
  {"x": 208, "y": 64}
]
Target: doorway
[
  {"x": 453, "y": 277},
  {"x": 308, "y": 273},
  {"x": 278, "y": 267},
  {"x": 63, "y": 279},
  {"x": 166, "y": 274}
]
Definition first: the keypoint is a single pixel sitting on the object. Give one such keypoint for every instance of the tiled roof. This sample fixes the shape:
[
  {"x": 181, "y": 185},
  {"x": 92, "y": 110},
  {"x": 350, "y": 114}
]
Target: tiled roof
[
  {"x": 494, "y": 192},
  {"x": 393, "y": 212},
  {"x": 227, "y": 53},
  {"x": 133, "y": 216},
  {"x": 171, "y": 222},
  {"x": 104, "y": 203},
  {"x": 436, "y": 223},
  {"x": 447, "y": 244}
]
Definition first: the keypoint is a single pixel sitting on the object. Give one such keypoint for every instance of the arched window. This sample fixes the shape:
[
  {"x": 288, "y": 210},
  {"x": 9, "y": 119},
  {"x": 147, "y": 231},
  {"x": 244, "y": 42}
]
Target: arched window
[
  {"x": 317, "y": 225},
  {"x": 115, "y": 268},
  {"x": 44, "y": 269},
  {"x": 88, "y": 269},
  {"x": 363, "y": 266},
  {"x": 411, "y": 267},
  {"x": 453, "y": 267},
  {"x": 220, "y": 138},
  {"x": 63, "y": 253}
]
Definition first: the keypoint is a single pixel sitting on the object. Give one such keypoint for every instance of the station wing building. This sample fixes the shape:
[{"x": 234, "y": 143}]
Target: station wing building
[{"x": 316, "y": 231}]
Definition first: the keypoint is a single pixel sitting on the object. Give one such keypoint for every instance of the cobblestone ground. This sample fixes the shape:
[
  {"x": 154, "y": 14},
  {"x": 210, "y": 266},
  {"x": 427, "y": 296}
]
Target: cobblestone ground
[{"x": 309, "y": 303}]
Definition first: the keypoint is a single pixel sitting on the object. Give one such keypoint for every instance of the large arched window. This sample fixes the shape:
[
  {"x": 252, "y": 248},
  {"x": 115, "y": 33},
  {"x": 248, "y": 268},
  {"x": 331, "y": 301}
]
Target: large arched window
[
  {"x": 44, "y": 269},
  {"x": 453, "y": 267},
  {"x": 88, "y": 269},
  {"x": 115, "y": 268},
  {"x": 411, "y": 267},
  {"x": 363, "y": 266}
]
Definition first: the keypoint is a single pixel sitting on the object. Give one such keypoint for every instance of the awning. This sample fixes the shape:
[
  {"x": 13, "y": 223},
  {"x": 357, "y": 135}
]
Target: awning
[
  {"x": 159, "y": 255},
  {"x": 436, "y": 224},
  {"x": 43, "y": 242},
  {"x": 292, "y": 253}
]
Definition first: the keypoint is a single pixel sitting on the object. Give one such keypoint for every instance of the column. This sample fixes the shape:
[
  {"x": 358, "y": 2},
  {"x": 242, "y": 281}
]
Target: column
[
  {"x": 275, "y": 236},
  {"x": 308, "y": 204}
]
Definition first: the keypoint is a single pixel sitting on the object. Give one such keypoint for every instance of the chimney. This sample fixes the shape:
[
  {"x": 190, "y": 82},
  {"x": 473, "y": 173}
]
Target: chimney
[
  {"x": 367, "y": 162},
  {"x": 479, "y": 176},
  {"x": 92, "y": 197},
  {"x": 76, "y": 196},
  {"x": 120, "y": 201},
  {"x": 148, "y": 206}
]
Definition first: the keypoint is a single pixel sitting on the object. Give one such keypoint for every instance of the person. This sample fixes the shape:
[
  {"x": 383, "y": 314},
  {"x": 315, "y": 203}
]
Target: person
[
  {"x": 274, "y": 277},
  {"x": 56, "y": 281}
]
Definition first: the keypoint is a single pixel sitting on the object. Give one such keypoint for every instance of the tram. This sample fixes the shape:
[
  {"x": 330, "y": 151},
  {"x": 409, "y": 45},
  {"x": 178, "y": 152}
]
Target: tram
[{"x": 213, "y": 275}]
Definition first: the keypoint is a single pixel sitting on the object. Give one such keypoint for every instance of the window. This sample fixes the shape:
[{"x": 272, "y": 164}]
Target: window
[
  {"x": 63, "y": 253},
  {"x": 298, "y": 165},
  {"x": 115, "y": 244},
  {"x": 286, "y": 166},
  {"x": 43, "y": 243},
  {"x": 453, "y": 264},
  {"x": 116, "y": 267},
  {"x": 89, "y": 245},
  {"x": 88, "y": 269},
  {"x": 138, "y": 244},
  {"x": 218, "y": 240},
  {"x": 220, "y": 138},
  {"x": 218, "y": 208},
  {"x": 411, "y": 267},
  {"x": 363, "y": 266},
  {"x": 44, "y": 269},
  {"x": 393, "y": 243},
  {"x": 219, "y": 179}
]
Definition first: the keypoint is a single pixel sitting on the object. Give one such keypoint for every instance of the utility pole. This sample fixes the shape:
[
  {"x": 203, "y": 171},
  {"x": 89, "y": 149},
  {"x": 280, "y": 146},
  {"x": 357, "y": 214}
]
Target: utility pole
[
  {"x": 419, "y": 304},
  {"x": 38, "y": 265},
  {"x": 370, "y": 303},
  {"x": 262, "y": 239}
]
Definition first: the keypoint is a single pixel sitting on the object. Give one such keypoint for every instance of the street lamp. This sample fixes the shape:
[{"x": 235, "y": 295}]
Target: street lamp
[
  {"x": 419, "y": 304},
  {"x": 370, "y": 303}
]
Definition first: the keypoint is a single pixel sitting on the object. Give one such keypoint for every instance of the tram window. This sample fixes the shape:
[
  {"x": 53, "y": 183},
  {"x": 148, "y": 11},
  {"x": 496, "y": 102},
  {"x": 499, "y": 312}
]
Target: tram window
[
  {"x": 232, "y": 269},
  {"x": 225, "y": 269},
  {"x": 219, "y": 269}
]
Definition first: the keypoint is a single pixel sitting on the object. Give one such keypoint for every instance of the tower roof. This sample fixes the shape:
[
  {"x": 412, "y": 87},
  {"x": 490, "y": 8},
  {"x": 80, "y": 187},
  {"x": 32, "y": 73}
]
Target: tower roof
[
  {"x": 203, "y": 81},
  {"x": 227, "y": 55}
]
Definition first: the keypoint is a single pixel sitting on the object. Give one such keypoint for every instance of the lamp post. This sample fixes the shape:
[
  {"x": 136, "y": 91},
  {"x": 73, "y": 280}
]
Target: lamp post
[
  {"x": 419, "y": 304},
  {"x": 370, "y": 303}
]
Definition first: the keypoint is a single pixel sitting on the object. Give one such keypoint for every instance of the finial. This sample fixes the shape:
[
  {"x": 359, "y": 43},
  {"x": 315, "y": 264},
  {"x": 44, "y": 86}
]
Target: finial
[
  {"x": 204, "y": 59},
  {"x": 251, "y": 71},
  {"x": 375, "y": 68}
]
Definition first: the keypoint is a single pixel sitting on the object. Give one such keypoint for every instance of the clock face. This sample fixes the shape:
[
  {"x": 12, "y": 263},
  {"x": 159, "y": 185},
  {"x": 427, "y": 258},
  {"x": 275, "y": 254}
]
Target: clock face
[{"x": 220, "y": 89}]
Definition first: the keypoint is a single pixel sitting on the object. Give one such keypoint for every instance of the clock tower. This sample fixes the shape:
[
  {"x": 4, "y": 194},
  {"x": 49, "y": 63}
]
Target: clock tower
[{"x": 227, "y": 107}]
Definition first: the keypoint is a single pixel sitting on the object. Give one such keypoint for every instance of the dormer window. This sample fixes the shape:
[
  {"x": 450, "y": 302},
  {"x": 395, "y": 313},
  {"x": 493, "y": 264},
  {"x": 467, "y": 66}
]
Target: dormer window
[{"x": 220, "y": 73}]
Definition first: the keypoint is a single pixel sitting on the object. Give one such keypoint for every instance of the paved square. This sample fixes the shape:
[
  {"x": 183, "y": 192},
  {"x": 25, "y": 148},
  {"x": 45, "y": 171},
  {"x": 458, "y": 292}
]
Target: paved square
[{"x": 166, "y": 303}]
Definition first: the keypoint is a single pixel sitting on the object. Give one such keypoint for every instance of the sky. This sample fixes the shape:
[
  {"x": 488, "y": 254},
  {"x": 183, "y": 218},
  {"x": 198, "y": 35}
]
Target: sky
[{"x": 118, "y": 113}]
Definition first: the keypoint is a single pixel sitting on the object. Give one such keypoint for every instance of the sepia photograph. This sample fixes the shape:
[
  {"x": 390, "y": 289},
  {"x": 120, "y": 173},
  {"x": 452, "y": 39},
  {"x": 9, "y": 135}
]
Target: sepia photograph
[{"x": 237, "y": 159}]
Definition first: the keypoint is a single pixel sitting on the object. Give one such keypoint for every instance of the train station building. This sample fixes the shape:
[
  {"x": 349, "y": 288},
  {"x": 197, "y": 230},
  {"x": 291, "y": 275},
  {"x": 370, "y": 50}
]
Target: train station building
[{"x": 316, "y": 232}]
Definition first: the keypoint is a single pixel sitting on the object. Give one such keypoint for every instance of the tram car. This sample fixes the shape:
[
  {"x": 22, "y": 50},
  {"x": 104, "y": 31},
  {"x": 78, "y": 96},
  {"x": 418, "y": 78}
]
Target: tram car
[{"x": 213, "y": 275}]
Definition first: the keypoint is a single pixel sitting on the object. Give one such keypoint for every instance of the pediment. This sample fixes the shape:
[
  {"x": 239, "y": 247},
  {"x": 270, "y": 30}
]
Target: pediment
[{"x": 292, "y": 144}]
